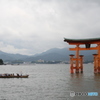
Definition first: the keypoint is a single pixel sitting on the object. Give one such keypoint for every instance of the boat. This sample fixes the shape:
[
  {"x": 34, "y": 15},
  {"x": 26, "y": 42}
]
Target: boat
[{"x": 13, "y": 76}]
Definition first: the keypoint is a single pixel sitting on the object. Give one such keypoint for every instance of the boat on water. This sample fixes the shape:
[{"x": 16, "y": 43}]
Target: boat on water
[{"x": 13, "y": 76}]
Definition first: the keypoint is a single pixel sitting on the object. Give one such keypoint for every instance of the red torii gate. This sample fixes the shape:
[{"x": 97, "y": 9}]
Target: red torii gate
[{"x": 76, "y": 61}]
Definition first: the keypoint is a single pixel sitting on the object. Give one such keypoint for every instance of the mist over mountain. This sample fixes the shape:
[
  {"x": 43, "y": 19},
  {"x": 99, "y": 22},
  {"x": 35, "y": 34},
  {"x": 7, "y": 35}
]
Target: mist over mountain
[{"x": 54, "y": 54}]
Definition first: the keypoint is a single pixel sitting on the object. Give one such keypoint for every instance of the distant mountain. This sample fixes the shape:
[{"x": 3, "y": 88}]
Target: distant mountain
[
  {"x": 50, "y": 55},
  {"x": 11, "y": 57},
  {"x": 57, "y": 54},
  {"x": 54, "y": 54}
]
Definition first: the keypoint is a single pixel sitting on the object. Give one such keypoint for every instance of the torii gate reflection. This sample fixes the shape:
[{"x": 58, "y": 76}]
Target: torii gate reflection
[{"x": 76, "y": 61}]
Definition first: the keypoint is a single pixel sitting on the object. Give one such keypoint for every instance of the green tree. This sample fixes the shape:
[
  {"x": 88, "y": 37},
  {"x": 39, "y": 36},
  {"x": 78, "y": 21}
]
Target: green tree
[{"x": 1, "y": 62}]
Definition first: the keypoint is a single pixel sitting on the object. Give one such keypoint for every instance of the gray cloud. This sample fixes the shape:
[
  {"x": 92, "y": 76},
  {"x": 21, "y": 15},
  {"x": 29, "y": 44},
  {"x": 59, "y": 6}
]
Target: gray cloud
[{"x": 33, "y": 26}]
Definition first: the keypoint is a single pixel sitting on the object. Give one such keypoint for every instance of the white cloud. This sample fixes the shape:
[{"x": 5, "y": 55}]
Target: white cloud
[
  {"x": 33, "y": 26},
  {"x": 12, "y": 49}
]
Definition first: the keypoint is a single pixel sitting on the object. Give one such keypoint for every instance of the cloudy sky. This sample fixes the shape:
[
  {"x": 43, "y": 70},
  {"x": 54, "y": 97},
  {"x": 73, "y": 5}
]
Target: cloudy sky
[{"x": 34, "y": 26}]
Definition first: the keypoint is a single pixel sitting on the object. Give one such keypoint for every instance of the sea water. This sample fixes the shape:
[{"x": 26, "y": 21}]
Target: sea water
[{"x": 48, "y": 82}]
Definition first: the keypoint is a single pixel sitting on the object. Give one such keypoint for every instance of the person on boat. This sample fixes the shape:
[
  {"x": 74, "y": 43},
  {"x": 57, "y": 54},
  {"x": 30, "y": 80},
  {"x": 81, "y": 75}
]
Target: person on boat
[
  {"x": 17, "y": 74},
  {"x": 8, "y": 74},
  {"x": 21, "y": 73}
]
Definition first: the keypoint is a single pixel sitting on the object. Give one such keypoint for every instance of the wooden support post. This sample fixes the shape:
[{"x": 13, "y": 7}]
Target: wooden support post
[
  {"x": 98, "y": 58},
  {"x": 81, "y": 63},
  {"x": 71, "y": 64},
  {"x": 77, "y": 56},
  {"x": 95, "y": 63}
]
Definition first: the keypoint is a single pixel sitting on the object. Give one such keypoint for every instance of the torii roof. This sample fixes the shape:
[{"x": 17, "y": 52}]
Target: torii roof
[{"x": 82, "y": 41}]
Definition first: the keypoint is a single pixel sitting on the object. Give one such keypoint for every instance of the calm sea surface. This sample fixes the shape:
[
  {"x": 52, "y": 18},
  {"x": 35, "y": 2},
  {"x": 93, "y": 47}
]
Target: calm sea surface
[{"x": 48, "y": 82}]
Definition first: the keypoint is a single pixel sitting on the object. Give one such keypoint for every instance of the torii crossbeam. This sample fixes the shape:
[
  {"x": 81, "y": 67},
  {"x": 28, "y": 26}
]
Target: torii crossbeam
[{"x": 77, "y": 60}]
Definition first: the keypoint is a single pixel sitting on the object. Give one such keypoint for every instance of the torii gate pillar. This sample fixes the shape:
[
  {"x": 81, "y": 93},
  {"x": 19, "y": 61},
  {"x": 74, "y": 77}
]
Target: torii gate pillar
[{"x": 76, "y": 62}]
